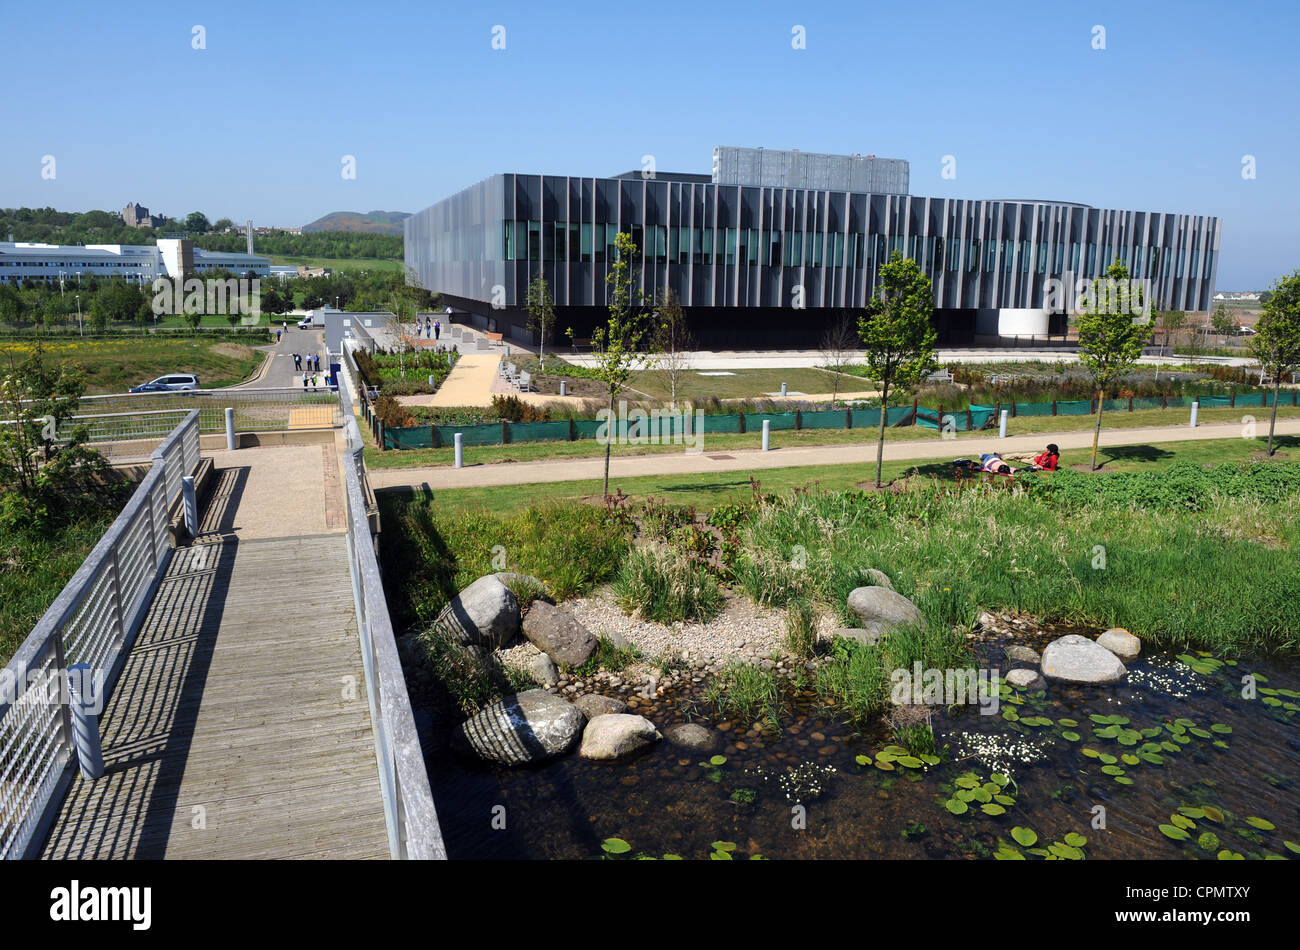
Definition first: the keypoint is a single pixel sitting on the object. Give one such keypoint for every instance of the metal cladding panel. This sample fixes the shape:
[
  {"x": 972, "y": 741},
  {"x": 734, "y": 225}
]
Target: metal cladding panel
[
  {"x": 740, "y": 245},
  {"x": 779, "y": 168}
]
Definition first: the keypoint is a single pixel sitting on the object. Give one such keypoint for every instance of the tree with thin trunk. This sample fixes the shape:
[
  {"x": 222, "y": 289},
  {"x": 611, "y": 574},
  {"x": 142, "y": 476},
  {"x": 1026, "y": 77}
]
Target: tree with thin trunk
[
  {"x": 1276, "y": 341},
  {"x": 617, "y": 341},
  {"x": 673, "y": 340},
  {"x": 1222, "y": 322},
  {"x": 403, "y": 312},
  {"x": 541, "y": 313},
  {"x": 1112, "y": 332},
  {"x": 898, "y": 334},
  {"x": 838, "y": 344}
]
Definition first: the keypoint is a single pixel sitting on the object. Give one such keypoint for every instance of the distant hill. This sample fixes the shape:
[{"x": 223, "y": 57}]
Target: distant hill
[{"x": 374, "y": 222}]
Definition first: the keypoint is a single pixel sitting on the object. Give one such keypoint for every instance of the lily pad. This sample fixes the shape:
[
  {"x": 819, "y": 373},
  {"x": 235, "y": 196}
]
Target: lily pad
[
  {"x": 1025, "y": 837},
  {"x": 615, "y": 846},
  {"x": 1263, "y": 824},
  {"x": 1174, "y": 832},
  {"x": 718, "y": 760},
  {"x": 993, "y": 809},
  {"x": 1070, "y": 736},
  {"x": 956, "y": 806},
  {"x": 1208, "y": 841},
  {"x": 1075, "y": 840}
]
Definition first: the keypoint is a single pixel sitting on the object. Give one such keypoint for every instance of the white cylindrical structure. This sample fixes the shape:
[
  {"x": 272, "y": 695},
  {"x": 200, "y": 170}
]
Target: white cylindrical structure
[
  {"x": 783, "y": 389},
  {"x": 191, "y": 505},
  {"x": 83, "y": 705},
  {"x": 230, "y": 428},
  {"x": 460, "y": 452},
  {"x": 767, "y": 432},
  {"x": 1196, "y": 404},
  {"x": 1002, "y": 425},
  {"x": 564, "y": 387}
]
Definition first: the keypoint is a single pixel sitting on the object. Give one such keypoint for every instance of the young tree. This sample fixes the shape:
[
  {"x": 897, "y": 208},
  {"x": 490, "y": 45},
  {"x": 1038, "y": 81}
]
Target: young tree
[
  {"x": 1110, "y": 337},
  {"x": 1276, "y": 341},
  {"x": 837, "y": 345},
  {"x": 541, "y": 313},
  {"x": 42, "y": 458},
  {"x": 403, "y": 313},
  {"x": 897, "y": 333},
  {"x": 617, "y": 341},
  {"x": 1222, "y": 322},
  {"x": 672, "y": 340}
]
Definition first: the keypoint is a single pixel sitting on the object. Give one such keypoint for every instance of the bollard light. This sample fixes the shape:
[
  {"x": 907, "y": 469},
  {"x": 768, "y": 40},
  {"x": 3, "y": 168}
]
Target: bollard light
[
  {"x": 783, "y": 389},
  {"x": 564, "y": 387},
  {"x": 83, "y": 703},
  {"x": 191, "y": 504},
  {"x": 230, "y": 429},
  {"x": 1002, "y": 425},
  {"x": 1196, "y": 404},
  {"x": 460, "y": 452},
  {"x": 767, "y": 434}
]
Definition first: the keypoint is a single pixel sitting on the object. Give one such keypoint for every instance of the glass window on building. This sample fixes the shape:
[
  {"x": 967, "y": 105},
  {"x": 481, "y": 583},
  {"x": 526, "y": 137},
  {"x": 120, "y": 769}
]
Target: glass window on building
[
  {"x": 1026, "y": 255},
  {"x": 611, "y": 242},
  {"x": 753, "y": 245},
  {"x": 731, "y": 246},
  {"x": 1195, "y": 257},
  {"x": 1059, "y": 264},
  {"x": 1092, "y": 259},
  {"x": 1182, "y": 259},
  {"x": 534, "y": 240},
  {"x": 573, "y": 242},
  {"x": 954, "y": 256},
  {"x": 1042, "y": 257},
  {"x": 1137, "y": 262},
  {"x": 818, "y": 240},
  {"x": 838, "y": 260},
  {"x": 697, "y": 245},
  {"x": 638, "y": 238},
  {"x": 508, "y": 242},
  {"x": 708, "y": 246},
  {"x": 661, "y": 243},
  {"x": 1209, "y": 263},
  {"x": 586, "y": 244},
  {"x": 1008, "y": 254}
]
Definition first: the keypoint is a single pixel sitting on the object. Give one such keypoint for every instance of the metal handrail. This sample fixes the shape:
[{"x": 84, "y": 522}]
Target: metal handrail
[
  {"x": 94, "y": 620},
  {"x": 412, "y": 819}
]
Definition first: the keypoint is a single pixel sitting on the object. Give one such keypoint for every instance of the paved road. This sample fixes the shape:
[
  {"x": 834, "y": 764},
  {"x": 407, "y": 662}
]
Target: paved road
[
  {"x": 730, "y": 460},
  {"x": 281, "y": 372}
]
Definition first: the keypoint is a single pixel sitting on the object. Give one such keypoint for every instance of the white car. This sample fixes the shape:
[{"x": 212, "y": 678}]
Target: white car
[
  {"x": 175, "y": 382},
  {"x": 305, "y": 323}
]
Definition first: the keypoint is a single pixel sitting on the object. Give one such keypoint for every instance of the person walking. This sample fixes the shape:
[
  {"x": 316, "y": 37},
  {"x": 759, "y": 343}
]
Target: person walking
[
  {"x": 437, "y": 329},
  {"x": 277, "y": 334},
  {"x": 304, "y": 382}
]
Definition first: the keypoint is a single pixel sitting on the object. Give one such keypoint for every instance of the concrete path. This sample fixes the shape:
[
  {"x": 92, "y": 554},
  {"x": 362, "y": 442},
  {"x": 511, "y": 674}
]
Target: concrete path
[
  {"x": 468, "y": 384},
  {"x": 731, "y": 460}
]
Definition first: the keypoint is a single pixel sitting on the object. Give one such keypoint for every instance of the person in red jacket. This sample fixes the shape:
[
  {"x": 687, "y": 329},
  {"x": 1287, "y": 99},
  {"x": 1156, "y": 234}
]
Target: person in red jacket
[{"x": 1047, "y": 461}]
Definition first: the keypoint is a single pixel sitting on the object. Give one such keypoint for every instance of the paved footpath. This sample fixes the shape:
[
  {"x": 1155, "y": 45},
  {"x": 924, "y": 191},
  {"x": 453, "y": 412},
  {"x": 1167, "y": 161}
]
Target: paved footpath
[{"x": 745, "y": 460}]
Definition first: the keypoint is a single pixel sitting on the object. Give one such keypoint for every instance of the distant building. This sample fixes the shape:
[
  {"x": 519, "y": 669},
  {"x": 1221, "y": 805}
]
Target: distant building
[
  {"x": 141, "y": 263},
  {"x": 138, "y": 216}
]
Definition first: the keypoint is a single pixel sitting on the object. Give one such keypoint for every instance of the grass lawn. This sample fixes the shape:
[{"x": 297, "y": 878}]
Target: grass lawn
[
  {"x": 705, "y": 491},
  {"x": 743, "y": 384},
  {"x": 1021, "y": 425},
  {"x": 113, "y": 366}
]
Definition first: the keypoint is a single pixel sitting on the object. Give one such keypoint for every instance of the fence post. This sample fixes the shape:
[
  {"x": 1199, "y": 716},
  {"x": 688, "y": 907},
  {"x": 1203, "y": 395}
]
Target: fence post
[
  {"x": 572, "y": 430},
  {"x": 1130, "y": 403},
  {"x": 505, "y": 432},
  {"x": 885, "y": 412},
  {"x": 383, "y": 443},
  {"x": 848, "y": 418},
  {"x": 798, "y": 419},
  {"x": 1164, "y": 401},
  {"x": 970, "y": 420},
  {"x": 1053, "y": 407},
  {"x": 742, "y": 423},
  {"x": 1232, "y": 399}
]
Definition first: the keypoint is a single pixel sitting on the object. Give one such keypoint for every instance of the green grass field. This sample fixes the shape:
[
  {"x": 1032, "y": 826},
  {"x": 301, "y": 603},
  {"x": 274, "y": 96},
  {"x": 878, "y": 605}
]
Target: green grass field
[
  {"x": 113, "y": 366},
  {"x": 1022, "y": 425},
  {"x": 706, "y": 491},
  {"x": 343, "y": 263}
]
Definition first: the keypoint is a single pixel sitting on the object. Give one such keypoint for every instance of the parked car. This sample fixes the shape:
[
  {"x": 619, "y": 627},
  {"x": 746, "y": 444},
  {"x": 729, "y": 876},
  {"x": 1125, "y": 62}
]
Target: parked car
[
  {"x": 1244, "y": 330},
  {"x": 174, "y": 382},
  {"x": 305, "y": 323}
]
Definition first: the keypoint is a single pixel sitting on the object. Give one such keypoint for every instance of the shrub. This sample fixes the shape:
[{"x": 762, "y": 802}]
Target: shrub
[
  {"x": 853, "y": 680},
  {"x": 770, "y": 578},
  {"x": 667, "y": 588},
  {"x": 473, "y": 678},
  {"x": 514, "y": 409},
  {"x": 392, "y": 413},
  {"x": 747, "y": 692}
]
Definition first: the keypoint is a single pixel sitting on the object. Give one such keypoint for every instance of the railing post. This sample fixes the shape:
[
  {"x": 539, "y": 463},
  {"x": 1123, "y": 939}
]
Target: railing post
[
  {"x": 118, "y": 611},
  {"x": 84, "y": 702}
]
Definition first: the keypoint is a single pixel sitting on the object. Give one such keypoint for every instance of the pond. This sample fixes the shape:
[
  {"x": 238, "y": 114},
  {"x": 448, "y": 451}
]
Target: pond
[{"x": 1173, "y": 762}]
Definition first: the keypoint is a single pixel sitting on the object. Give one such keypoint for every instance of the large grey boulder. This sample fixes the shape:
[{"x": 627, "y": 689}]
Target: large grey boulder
[
  {"x": 557, "y": 633},
  {"x": 617, "y": 735},
  {"x": 1122, "y": 643},
  {"x": 594, "y": 704},
  {"x": 519, "y": 729},
  {"x": 484, "y": 614},
  {"x": 693, "y": 736},
  {"x": 1076, "y": 659},
  {"x": 881, "y": 610}
]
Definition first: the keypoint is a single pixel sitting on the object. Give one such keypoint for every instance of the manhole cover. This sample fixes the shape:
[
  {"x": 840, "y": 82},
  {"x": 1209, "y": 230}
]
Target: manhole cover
[{"x": 721, "y": 458}]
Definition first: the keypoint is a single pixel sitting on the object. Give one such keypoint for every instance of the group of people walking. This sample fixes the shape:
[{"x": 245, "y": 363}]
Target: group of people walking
[{"x": 431, "y": 328}]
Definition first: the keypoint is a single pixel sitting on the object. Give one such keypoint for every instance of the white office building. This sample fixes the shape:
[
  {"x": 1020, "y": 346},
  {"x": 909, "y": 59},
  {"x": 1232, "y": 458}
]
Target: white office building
[{"x": 171, "y": 257}]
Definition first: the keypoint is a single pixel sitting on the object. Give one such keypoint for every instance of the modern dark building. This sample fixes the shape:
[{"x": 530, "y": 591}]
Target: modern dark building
[{"x": 773, "y": 246}]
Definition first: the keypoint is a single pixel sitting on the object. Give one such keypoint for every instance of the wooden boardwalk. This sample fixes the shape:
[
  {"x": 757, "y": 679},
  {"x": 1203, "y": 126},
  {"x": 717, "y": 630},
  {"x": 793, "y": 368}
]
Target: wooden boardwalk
[{"x": 240, "y": 726}]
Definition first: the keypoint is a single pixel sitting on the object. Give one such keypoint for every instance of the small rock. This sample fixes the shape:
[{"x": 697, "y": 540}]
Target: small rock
[
  {"x": 882, "y": 610},
  {"x": 594, "y": 704},
  {"x": 1122, "y": 643},
  {"x": 617, "y": 735},
  {"x": 865, "y": 637},
  {"x": 1019, "y": 654},
  {"x": 1076, "y": 659},
  {"x": 543, "y": 671},
  {"x": 693, "y": 736},
  {"x": 1026, "y": 679}
]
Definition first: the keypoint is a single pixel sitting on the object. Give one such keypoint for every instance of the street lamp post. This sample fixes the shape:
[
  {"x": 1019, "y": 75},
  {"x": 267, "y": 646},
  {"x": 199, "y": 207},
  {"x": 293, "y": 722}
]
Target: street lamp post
[{"x": 80, "y": 329}]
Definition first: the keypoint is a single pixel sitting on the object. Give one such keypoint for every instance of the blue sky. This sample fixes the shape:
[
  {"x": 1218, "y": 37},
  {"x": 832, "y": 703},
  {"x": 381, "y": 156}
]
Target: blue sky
[{"x": 256, "y": 125}]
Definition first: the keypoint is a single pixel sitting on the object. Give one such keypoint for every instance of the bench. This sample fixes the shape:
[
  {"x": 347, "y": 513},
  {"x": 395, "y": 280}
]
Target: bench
[
  {"x": 943, "y": 376},
  {"x": 525, "y": 380},
  {"x": 579, "y": 342},
  {"x": 495, "y": 338}
]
